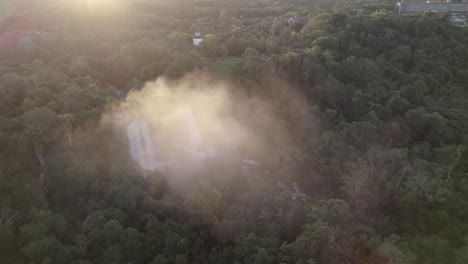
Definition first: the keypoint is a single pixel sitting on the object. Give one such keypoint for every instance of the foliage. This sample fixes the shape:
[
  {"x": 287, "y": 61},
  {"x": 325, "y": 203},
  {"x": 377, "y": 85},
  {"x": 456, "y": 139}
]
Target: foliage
[{"x": 381, "y": 177}]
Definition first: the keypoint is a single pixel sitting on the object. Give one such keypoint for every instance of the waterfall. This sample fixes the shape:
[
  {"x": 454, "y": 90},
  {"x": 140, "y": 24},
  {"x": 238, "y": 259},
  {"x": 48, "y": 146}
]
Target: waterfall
[
  {"x": 179, "y": 142},
  {"x": 141, "y": 145}
]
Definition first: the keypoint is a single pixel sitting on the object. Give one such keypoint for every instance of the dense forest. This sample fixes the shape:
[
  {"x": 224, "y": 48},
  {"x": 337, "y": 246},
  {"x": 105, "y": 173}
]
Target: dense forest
[{"x": 376, "y": 106}]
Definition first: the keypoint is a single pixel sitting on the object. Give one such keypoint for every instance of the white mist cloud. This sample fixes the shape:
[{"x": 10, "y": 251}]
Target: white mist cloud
[{"x": 176, "y": 126}]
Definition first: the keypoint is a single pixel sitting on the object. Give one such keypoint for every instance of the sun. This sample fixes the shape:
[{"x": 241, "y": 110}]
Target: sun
[
  {"x": 100, "y": 6},
  {"x": 94, "y": 4}
]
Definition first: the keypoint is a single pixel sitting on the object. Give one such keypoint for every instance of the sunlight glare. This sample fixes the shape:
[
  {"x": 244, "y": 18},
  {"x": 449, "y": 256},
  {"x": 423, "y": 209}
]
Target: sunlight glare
[{"x": 100, "y": 6}]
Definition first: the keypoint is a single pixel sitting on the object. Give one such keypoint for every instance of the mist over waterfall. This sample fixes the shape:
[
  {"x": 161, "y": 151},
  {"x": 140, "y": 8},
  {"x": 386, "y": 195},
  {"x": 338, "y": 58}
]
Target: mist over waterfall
[
  {"x": 182, "y": 128},
  {"x": 141, "y": 145},
  {"x": 188, "y": 129},
  {"x": 176, "y": 141}
]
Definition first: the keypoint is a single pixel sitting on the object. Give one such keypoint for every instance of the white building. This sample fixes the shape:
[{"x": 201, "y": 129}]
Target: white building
[{"x": 197, "y": 39}]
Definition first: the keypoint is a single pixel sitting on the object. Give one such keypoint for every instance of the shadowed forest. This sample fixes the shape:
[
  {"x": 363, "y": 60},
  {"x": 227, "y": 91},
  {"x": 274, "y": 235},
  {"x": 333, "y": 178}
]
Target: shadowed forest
[{"x": 349, "y": 125}]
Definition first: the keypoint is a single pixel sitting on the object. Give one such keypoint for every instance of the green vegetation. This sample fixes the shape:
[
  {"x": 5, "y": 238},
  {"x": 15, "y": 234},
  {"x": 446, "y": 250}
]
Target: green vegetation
[
  {"x": 383, "y": 162},
  {"x": 224, "y": 65}
]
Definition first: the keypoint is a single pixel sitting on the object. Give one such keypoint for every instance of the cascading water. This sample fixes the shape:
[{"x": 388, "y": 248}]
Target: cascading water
[
  {"x": 179, "y": 142},
  {"x": 141, "y": 145}
]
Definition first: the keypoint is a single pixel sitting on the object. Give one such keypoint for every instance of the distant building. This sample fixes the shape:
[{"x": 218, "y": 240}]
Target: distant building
[
  {"x": 197, "y": 39},
  {"x": 458, "y": 19},
  {"x": 436, "y": 6}
]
